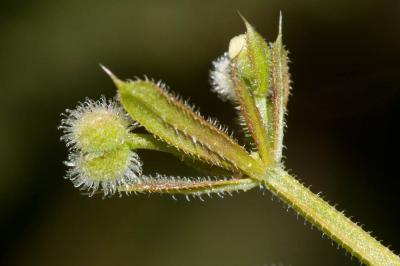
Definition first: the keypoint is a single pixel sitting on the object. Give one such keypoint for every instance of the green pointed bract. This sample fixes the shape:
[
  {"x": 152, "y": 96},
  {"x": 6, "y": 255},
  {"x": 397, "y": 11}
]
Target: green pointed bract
[
  {"x": 262, "y": 90},
  {"x": 260, "y": 61},
  {"x": 253, "y": 119},
  {"x": 280, "y": 93},
  {"x": 178, "y": 125},
  {"x": 252, "y": 83},
  {"x": 259, "y": 57}
]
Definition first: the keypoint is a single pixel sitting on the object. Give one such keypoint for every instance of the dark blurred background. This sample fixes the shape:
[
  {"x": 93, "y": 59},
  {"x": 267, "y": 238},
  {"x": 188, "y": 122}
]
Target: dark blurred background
[{"x": 342, "y": 135}]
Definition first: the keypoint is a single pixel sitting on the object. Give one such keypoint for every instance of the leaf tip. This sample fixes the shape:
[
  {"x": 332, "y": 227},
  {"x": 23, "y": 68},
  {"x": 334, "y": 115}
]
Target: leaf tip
[
  {"x": 280, "y": 25},
  {"x": 113, "y": 77},
  {"x": 246, "y": 23}
]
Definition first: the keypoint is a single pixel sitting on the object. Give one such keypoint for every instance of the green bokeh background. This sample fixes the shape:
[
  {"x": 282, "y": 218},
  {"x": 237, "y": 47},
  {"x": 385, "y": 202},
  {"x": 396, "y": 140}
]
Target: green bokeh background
[{"x": 342, "y": 132}]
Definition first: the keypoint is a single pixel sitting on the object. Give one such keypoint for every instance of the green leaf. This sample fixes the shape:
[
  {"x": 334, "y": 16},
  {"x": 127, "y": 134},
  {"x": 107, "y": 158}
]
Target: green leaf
[
  {"x": 259, "y": 57},
  {"x": 280, "y": 92},
  {"x": 253, "y": 119},
  {"x": 189, "y": 186},
  {"x": 174, "y": 122},
  {"x": 252, "y": 82},
  {"x": 139, "y": 141},
  {"x": 266, "y": 85}
]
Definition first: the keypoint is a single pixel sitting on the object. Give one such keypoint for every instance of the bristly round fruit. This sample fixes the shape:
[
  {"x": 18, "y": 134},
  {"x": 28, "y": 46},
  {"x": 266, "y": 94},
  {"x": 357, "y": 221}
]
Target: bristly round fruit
[
  {"x": 95, "y": 126},
  {"x": 97, "y": 133},
  {"x": 109, "y": 171}
]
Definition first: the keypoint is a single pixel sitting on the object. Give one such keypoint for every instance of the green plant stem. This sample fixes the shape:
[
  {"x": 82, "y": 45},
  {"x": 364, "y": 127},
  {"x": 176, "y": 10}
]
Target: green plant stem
[
  {"x": 148, "y": 142},
  {"x": 329, "y": 220},
  {"x": 140, "y": 141},
  {"x": 189, "y": 187}
]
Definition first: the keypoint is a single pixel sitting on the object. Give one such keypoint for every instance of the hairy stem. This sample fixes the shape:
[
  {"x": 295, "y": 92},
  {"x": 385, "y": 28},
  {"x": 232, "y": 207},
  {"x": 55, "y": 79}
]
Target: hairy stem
[
  {"x": 148, "y": 142},
  {"x": 189, "y": 187},
  {"x": 329, "y": 220}
]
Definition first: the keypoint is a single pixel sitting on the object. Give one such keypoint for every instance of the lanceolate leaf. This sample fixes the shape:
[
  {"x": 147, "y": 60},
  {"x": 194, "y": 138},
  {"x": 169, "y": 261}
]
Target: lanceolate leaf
[
  {"x": 177, "y": 124},
  {"x": 189, "y": 186},
  {"x": 253, "y": 119},
  {"x": 280, "y": 93},
  {"x": 259, "y": 55},
  {"x": 138, "y": 141},
  {"x": 252, "y": 83}
]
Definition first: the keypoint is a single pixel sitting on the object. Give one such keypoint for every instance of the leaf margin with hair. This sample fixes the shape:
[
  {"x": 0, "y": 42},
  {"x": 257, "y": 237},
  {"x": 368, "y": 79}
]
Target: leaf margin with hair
[{"x": 171, "y": 120}]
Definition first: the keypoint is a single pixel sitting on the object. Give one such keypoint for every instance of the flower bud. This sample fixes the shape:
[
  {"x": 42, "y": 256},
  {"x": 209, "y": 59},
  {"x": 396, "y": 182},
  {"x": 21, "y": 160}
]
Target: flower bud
[{"x": 236, "y": 45}]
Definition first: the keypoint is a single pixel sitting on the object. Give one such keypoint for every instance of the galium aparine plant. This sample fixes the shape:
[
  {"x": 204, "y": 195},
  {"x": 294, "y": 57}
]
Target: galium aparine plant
[{"x": 254, "y": 76}]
